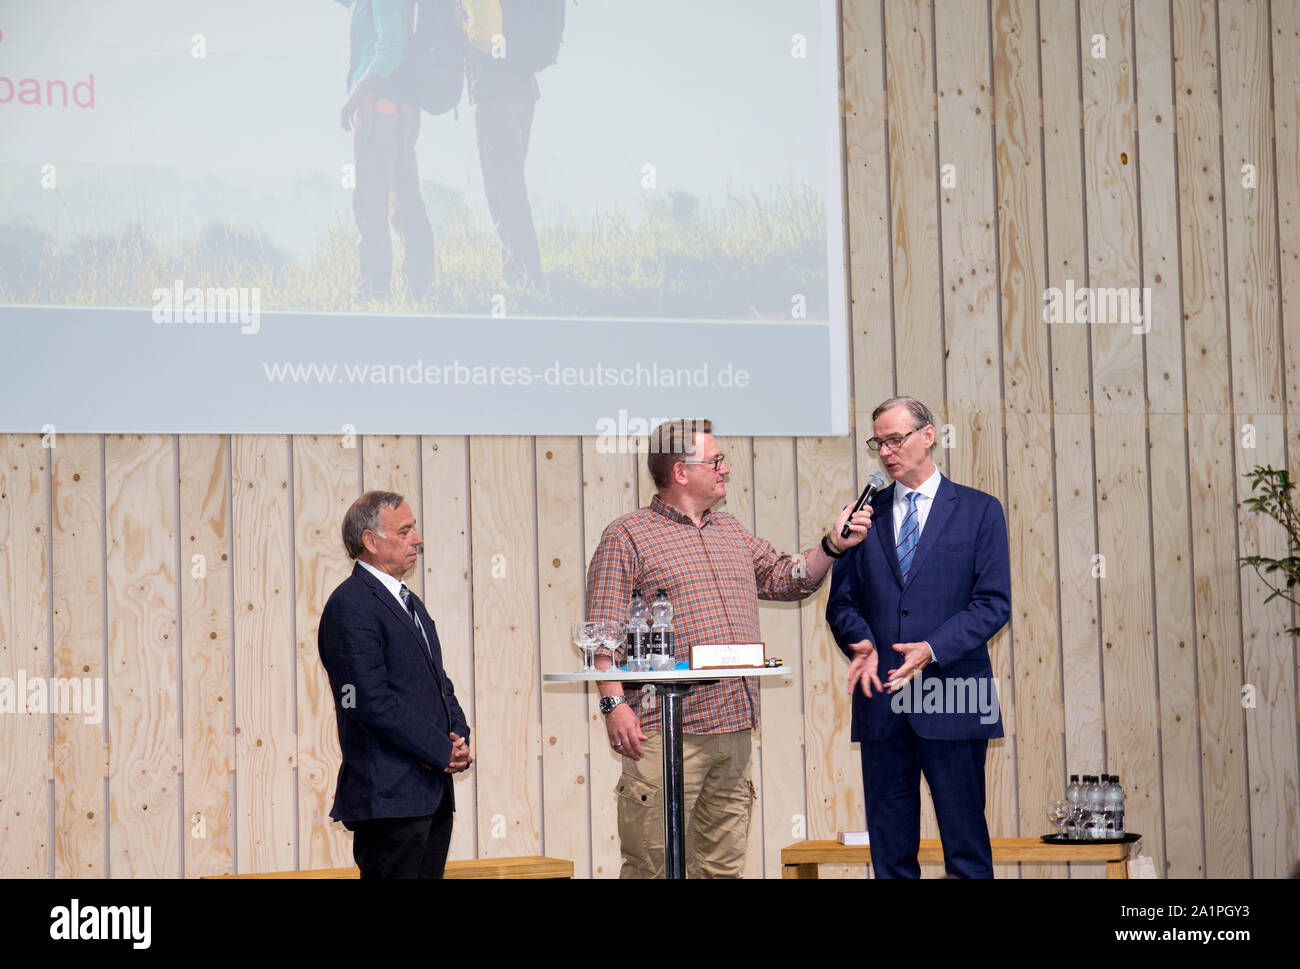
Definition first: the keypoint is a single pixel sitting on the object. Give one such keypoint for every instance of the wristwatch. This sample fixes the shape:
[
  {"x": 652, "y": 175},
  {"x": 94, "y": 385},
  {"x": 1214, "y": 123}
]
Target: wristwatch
[{"x": 608, "y": 703}]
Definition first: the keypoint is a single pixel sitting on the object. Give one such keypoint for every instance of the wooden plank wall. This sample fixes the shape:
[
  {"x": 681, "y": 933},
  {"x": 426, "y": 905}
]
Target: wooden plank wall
[{"x": 1001, "y": 147}]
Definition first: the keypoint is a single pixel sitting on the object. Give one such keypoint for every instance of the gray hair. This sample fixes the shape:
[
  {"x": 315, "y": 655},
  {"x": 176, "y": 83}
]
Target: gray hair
[
  {"x": 920, "y": 413},
  {"x": 363, "y": 517}
]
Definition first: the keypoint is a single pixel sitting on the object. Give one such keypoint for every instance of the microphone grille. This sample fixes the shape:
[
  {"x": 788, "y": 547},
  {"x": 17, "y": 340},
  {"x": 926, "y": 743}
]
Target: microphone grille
[{"x": 877, "y": 479}]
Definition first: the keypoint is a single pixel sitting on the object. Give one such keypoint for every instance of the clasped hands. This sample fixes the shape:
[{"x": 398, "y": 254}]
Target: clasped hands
[
  {"x": 460, "y": 758},
  {"x": 862, "y": 668}
]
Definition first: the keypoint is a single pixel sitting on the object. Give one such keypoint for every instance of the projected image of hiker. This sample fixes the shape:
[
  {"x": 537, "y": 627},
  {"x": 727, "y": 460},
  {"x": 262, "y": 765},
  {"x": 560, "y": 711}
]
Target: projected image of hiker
[{"x": 616, "y": 160}]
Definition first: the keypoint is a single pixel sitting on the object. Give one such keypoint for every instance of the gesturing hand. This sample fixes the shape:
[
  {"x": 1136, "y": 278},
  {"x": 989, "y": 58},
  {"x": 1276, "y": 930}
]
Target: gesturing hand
[
  {"x": 916, "y": 656},
  {"x": 862, "y": 668}
]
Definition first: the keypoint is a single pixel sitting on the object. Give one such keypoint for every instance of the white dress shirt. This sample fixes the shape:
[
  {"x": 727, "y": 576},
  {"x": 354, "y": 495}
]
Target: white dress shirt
[{"x": 925, "y": 500}]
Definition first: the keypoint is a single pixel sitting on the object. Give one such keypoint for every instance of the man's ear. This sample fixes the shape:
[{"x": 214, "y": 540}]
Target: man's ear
[{"x": 368, "y": 540}]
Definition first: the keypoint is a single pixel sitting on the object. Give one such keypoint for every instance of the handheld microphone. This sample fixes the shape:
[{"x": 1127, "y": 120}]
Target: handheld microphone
[{"x": 875, "y": 481}]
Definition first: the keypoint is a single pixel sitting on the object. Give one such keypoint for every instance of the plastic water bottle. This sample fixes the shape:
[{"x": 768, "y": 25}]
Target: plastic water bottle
[
  {"x": 1096, "y": 810},
  {"x": 661, "y": 628},
  {"x": 1114, "y": 808},
  {"x": 638, "y": 633},
  {"x": 1073, "y": 796}
]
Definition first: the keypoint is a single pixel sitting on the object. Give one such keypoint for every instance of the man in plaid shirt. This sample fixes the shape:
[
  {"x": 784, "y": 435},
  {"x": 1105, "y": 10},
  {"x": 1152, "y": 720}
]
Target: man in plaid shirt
[{"x": 714, "y": 572}]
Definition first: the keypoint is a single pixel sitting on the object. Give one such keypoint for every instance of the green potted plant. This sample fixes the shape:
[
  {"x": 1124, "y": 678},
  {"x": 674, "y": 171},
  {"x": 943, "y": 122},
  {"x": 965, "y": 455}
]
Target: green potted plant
[{"x": 1271, "y": 495}]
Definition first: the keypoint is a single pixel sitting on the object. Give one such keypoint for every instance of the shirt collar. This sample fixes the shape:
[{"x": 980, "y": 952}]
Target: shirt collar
[
  {"x": 662, "y": 507},
  {"x": 392, "y": 585},
  {"x": 927, "y": 489}
]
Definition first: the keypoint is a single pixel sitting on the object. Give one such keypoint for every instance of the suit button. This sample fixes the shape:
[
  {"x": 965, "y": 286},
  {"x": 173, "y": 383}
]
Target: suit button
[{"x": 905, "y": 612}]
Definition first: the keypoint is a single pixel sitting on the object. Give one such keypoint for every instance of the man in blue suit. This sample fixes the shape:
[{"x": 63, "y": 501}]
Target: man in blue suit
[
  {"x": 402, "y": 732},
  {"x": 913, "y": 607}
]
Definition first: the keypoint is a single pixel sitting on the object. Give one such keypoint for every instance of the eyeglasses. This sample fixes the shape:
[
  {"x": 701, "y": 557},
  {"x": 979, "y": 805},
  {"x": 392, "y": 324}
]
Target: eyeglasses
[
  {"x": 717, "y": 462},
  {"x": 893, "y": 443}
]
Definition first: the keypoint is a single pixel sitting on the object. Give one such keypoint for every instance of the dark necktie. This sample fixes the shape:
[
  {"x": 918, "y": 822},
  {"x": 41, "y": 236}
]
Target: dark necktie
[{"x": 408, "y": 600}]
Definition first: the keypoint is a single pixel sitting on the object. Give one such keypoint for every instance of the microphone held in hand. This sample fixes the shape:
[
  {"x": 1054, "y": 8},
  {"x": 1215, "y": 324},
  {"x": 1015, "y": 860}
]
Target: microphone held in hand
[{"x": 875, "y": 481}]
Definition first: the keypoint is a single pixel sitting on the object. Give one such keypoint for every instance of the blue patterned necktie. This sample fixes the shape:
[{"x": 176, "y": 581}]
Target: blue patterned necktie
[
  {"x": 908, "y": 535},
  {"x": 405, "y": 593}
]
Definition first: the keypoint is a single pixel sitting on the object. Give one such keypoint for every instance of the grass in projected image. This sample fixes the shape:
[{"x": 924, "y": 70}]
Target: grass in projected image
[{"x": 757, "y": 258}]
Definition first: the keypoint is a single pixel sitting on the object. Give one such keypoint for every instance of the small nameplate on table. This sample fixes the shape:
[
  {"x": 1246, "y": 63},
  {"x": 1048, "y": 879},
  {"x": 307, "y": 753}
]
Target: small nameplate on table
[{"x": 726, "y": 656}]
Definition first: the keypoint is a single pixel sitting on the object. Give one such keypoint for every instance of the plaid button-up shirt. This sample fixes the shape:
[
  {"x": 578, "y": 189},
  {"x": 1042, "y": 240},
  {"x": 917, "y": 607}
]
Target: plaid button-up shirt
[{"x": 714, "y": 573}]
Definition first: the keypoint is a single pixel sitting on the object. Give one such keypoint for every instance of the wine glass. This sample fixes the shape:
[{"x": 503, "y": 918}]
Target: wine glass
[
  {"x": 586, "y": 637},
  {"x": 612, "y": 637},
  {"x": 1077, "y": 812},
  {"x": 1057, "y": 812}
]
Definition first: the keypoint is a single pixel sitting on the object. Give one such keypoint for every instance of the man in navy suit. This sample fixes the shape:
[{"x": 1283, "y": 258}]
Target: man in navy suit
[
  {"x": 402, "y": 732},
  {"x": 913, "y": 607}
]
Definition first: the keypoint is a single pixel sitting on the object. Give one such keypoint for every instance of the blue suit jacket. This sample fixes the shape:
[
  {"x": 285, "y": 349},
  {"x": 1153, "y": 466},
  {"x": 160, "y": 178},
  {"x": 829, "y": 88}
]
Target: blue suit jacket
[
  {"x": 395, "y": 705},
  {"x": 957, "y": 596}
]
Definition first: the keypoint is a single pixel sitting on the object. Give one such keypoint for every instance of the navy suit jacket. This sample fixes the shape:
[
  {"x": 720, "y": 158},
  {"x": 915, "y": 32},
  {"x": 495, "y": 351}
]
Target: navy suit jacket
[
  {"x": 958, "y": 595},
  {"x": 395, "y": 704}
]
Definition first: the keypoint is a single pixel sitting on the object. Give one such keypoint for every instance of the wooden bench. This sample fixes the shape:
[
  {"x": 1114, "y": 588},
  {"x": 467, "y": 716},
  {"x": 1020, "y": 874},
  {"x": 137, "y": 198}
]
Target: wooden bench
[
  {"x": 801, "y": 860},
  {"x": 528, "y": 866}
]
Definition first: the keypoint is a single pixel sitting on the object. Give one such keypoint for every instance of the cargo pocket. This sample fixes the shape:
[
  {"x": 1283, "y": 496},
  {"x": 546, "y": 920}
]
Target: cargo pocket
[{"x": 640, "y": 825}]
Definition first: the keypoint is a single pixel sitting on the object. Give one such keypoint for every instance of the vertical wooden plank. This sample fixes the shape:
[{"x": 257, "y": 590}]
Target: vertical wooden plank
[
  {"x": 78, "y": 570},
  {"x": 968, "y": 209},
  {"x": 1268, "y": 692},
  {"x": 1211, "y": 445},
  {"x": 645, "y": 486},
  {"x": 1176, "y": 658},
  {"x": 1200, "y": 187},
  {"x": 1110, "y": 179},
  {"x": 1120, "y": 455},
  {"x": 506, "y": 678},
  {"x": 1252, "y": 250},
  {"x": 1251, "y": 232},
  {"x": 1210, "y": 440},
  {"x": 264, "y": 655},
  {"x": 1286, "y": 126},
  {"x": 1071, "y": 401},
  {"x": 1063, "y": 181},
  {"x": 1128, "y": 647},
  {"x": 561, "y": 570},
  {"x": 1286, "y": 135},
  {"x": 1286, "y": 122},
  {"x": 1017, "y": 113},
  {"x": 1039, "y": 721},
  {"x": 785, "y": 811},
  {"x": 833, "y": 767},
  {"x": 608, "y": 490},
  {"x": 868, "y": 217},
  {"x": 1079, "y": 574},
  {"x": 1157, "y": 172},
  {"x": 205, "y": 580},
  {"x": 1170, "y": 501},
  {"x": 144, "y": 750},
  {"x": 324, "y": 486},
  {"x": 444, "y": 464},
  {"x": 910, "y": 92},
  {"x": 739, "y": 502},
  {"x": 1028, "y": 266},
  {"x": 25, "y": 765},
  {"x": 973, "y": 444}
]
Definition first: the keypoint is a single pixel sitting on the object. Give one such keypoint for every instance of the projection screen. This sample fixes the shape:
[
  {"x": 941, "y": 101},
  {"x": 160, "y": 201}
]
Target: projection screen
[{"x": 638, "y": 217}]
